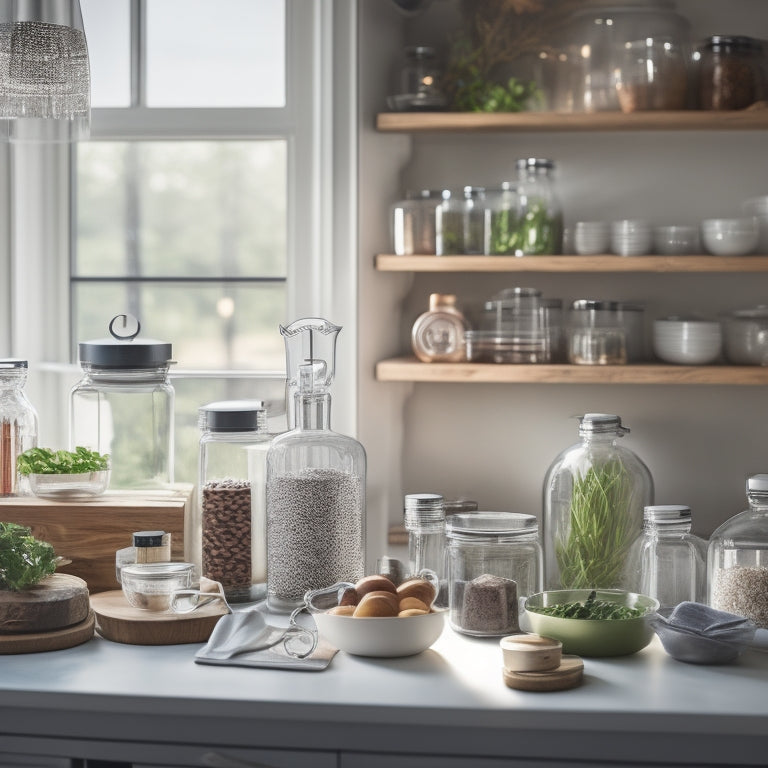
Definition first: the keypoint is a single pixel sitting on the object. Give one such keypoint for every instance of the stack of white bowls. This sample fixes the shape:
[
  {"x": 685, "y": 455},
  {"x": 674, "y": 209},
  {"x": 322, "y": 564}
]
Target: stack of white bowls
[
  {"x": 687, "y": 340},
  {"x": 758, "y": 207},
  {"x": 730, "y": 237},
  {"x": 630, "y": 237},
  {"x": 591, "y": 237},
  {"x": 676, "y": 240}
]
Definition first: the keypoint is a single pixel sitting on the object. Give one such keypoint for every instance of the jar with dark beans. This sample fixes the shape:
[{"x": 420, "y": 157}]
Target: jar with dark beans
[{"x": 731, "y": 73}]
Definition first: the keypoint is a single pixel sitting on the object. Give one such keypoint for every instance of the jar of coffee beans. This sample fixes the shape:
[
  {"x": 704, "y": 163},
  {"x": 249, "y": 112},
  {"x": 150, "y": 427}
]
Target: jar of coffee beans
[
  {"x": 731, "y": 72},
  {"x": 231, "y": 530}
]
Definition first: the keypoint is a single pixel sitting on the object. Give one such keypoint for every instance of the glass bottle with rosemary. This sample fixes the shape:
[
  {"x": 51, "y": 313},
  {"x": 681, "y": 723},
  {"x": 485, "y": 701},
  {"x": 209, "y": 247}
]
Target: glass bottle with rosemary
[{"x": 594, "y": 495}]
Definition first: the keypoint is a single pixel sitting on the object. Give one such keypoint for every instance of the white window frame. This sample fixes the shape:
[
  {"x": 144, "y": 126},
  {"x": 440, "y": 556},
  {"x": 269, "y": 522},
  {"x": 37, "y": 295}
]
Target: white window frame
[{"x": 320, "y": 125}]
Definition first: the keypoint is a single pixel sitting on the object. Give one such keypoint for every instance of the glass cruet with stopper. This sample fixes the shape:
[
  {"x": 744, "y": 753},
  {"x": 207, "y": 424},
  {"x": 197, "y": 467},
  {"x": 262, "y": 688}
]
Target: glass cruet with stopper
[
  {"x": 594, "y": 496},
  {"x": 18, "y": 424},
  {"x": 315, "y": 482},
  {"x": 737, "y": 558},
  {"x": 667, "y": 561}
]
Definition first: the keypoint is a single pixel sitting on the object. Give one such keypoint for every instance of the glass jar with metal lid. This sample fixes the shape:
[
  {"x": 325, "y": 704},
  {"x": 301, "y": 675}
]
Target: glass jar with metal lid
[
  {"x": 731, "y": 72},
  {"x": 594, "y": 495},
  {"x": 540, "y": 215},
  {"x": 424, "y": 518},
  {"x": 124, "y": 405},
  {"x": 461, "y": 222},
  {"x": 18, "y": 425},
  {"x": 413, "y": 223},
  {"x": 737, "y": 558},
  {"x": 667, "y": 561},
  {"x": 605, "y": 332},
  {"x": 494, "y": 560}
]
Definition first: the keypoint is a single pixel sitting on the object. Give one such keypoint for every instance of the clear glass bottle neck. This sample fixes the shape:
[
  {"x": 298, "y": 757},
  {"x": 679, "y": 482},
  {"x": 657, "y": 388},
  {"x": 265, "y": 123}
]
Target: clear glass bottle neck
[
  {"x": 655, "y": 529},
  {"x": 758, "y": 501},
  {"x": 313, "y": 411},
  {"x": 157, "y": 373},
  {"x": 13, "y": 380}
]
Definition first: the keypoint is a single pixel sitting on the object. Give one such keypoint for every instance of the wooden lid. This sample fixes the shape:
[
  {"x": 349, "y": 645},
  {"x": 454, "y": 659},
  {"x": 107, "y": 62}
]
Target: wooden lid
[{"x": 569, "y": 674}]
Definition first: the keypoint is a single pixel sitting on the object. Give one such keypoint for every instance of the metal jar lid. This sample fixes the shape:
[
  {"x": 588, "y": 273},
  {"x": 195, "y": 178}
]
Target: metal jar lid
[
  {"x": 534, "y": 163},
  {"x": 757, "y": 483},
  {"x": 148, "y": 538},
  {"x": 233, "y": 416},
  {"x": 423, "y": 508},
  {"x": 466, "y": 525},
  {"x": 12, "y": 363},
  {"x": 601, "y": 423},
  {"x": 667, "y": 514},
  {"x": 124, "y": 350},
  {"x": 600, "y": 305}
]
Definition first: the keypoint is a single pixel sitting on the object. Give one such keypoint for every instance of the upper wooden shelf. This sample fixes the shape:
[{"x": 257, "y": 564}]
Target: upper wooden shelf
[
  {"x": 411, "y": 370},
  {"x": 753, "y": 119},
  {"x": 607, "y": 263}
]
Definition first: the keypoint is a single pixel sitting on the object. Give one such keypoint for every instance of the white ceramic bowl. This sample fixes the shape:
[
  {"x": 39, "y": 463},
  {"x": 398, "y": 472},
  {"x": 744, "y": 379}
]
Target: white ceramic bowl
[
  {"x": 591, "y": 237},
  {"x": 630, "y": 237},
  {"x": 675, "y": 240},
  {"x": 758, "y": 207},
  {"x": 745, "y": 336},
  {"x": 687, "y": 341},
  {"x": 730, "y": 237}
]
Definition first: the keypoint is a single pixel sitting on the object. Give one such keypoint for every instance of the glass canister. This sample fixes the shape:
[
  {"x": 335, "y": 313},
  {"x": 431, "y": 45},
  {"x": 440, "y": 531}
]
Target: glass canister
[
  {"x": 437, "y": 335},
  {"x": 737, "y": 558},
  {"x": 731, "y": 72},
  {"x": 667, "y": 561},
  {"x": 424, "y": 518},
  {"x": 494, "y": 560},
  {"x": 420, "y": 81},
  {"x": 461, "y": 222},
  {"x": 315, "y": 483},
  {"x": 232, "y": 520},
  {"x": 413, "y": 223},
  {"x": 124, "y": 405},
  {"x": 18, "y": 424},
  {"x": 594, "y": 495},
  {"x": 503, "y": 219},
  {"x": 540, "y": 216}
]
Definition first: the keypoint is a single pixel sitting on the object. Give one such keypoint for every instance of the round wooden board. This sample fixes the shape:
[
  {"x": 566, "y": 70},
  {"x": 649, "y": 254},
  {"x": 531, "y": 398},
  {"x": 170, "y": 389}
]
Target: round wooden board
[
  {"x": 119, "y": 621},
  {"x": 55, "y": 640},
  {"x": 569, "y": 674},
  {"x": 57, "y": 602}
]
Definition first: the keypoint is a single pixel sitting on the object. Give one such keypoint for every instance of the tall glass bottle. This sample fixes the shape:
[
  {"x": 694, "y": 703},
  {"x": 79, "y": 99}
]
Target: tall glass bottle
[
  {"x": 594, "y": 496},
  {"x": 315, "y": 484},
  {"x": 737, "y": 558},
  {"x": 425, "y": 522},
  {"x": 18, "y": 424}
]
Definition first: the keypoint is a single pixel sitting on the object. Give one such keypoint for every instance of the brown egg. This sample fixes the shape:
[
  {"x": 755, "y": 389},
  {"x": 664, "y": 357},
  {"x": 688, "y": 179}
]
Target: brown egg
[
  {"x": 349, "y": 597},
  {"x": 408, "y": 603},
  {"x": 342, "y": 610},
  {"x": 412, "y": 612},
  {"x": 374, "y": 584},
  {"x": 418, "y": 588},
  {"x": 376, "y": 605}
]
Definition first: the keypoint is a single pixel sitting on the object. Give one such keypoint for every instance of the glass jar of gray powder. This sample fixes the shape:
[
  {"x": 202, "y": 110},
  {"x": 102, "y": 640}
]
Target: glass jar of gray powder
[{"x": 494, "y": 560}]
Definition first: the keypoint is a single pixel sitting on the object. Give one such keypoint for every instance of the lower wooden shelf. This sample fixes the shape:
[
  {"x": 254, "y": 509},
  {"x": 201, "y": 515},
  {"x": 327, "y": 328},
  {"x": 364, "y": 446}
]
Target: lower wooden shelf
[{"x": 411, "y": 369}]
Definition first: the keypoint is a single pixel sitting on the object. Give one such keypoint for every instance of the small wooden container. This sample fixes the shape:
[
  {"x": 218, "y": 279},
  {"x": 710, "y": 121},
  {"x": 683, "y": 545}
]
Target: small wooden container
[{"x": 530, "y": 653}]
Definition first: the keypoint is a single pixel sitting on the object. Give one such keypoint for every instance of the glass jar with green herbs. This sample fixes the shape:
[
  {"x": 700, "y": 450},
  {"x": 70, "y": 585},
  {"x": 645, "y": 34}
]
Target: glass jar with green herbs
[
  {"x": 539, "y": 226},
  {"x": 594, "y": 495}
]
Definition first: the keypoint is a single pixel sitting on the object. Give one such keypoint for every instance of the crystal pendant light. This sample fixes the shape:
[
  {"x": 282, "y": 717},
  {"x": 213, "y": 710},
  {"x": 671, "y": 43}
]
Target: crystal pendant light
[{"x": 45, "y": 82}]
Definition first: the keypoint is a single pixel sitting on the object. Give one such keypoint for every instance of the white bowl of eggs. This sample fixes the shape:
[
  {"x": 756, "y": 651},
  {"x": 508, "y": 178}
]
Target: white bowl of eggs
[{"x": 375, "y": 617}]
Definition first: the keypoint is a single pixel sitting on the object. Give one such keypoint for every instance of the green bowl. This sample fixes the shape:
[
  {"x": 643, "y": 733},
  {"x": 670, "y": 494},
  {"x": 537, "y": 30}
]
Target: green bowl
[{"x": 594, "y": 637}]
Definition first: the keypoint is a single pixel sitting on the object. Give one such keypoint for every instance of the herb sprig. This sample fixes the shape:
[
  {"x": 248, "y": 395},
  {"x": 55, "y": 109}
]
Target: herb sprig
[
  {"x": 44, "y": 461},
  {"x": 24, "y": 560},
  {"x": 591, "y": 608}
]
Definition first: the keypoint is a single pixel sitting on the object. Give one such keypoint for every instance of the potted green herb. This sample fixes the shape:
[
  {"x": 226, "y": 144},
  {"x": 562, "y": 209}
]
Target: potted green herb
[{"x": 65, "y": 474}]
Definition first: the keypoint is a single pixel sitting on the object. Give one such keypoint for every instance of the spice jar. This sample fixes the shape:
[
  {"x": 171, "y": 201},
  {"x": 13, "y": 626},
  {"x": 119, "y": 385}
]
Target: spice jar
[
  {"x": 737, "y": 558},
  {"x": 594, "y": 495},
  {"x": 461, "y": 222},
  {"x": 231, "y": 528},
  {"x": 18, "y": 424},
  {"x": 494, "y": 560},
  {"x": 438, "y": 334},
  {"x": 731, "y": 74},
  {"x": 124, "y": 404},
  {"x": 413, "y": 223},
  {"x": 540, "y": 228},
  {"x": 667, "y": 561},
  {"x": 425, "y": 522}
]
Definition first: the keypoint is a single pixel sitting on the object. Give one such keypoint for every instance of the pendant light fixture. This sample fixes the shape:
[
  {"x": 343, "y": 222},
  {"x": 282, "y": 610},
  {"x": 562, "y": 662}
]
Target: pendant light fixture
[{"x": 45, "y": 81}]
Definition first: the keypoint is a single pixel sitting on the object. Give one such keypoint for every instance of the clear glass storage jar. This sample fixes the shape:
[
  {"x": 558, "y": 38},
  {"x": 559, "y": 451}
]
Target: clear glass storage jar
[
  {"x": 424, "y": 517},
  {"x": 437, "y": 335},
  {"x": 461, "y": 222},
  {"x": 420, "y": 81},
  {"x": 731, "y": 72},
  {"x": 600, "y": 332},
  {"x": 18, "y": 425},
  {"x": 413, "y": 223},
  {"x": 667, "y": 561},
  {"x": 737, "y": 558},
  {"x": 493, "y": 561},
  {"x": 540, "y": 215},
  {"x": 594, "y": 495},
  {"x": 230, "y": 534},
  {"x": 124, "y": 405},
  {"x": 503, "y": 219}
]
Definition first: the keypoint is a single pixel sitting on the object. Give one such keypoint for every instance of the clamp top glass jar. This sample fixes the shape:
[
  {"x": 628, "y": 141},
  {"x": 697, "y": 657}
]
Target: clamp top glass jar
[
  {"x": 18, "y": 424},
  {"x": 124, "y": 404}
]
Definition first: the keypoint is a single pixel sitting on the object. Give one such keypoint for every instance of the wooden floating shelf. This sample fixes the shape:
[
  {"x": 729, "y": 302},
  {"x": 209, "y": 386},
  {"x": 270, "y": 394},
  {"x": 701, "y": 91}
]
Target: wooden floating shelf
[
  {"x": 409, "y": 369},
  {"x": 606, "y": 263},
  {"x": 753, "y": 119}
]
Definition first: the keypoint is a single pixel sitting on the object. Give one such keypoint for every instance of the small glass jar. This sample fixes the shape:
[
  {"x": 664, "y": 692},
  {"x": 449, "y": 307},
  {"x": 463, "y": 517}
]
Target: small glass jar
[
  {"x": 413, "y": 223},
  {"x": 232, "y": 518},
  {"x": 18, "y": 425},
  {"x": 540, "y": 229},
  {"x": 461, "y": 223},
  {"x": 438, "y": 334},
  {"x": 494, "y": 560},
  {"x": 425, "y": 522},
  {"x": 731, "y": 73},
  {"x": 124, "y": 405},
  {"x": 503, "y": 219},
  {"x": 667, "y": 561},
  {"x": 605, "y": 332},
  {"x": 737, "y": 558},
  {"x": 594, "y": 495},
  {"x": 420, "y": 80}
]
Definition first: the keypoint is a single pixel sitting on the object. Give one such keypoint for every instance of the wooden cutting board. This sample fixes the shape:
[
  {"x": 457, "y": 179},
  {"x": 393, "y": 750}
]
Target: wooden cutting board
[
  {"x": 569, "y": 674},
  {"x": 58, "y": 601},
  {"x": 56, "y": 640},
  {"x": 118, "y": 620}
]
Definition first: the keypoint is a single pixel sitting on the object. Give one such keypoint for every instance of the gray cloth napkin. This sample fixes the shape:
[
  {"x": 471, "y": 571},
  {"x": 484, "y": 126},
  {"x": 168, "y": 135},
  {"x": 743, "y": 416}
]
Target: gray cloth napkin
[{"x": 244, "y": 639}]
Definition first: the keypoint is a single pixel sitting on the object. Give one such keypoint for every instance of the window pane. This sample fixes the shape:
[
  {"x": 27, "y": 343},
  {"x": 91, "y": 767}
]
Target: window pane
[
  {"x": 230, "y": 53},
  {"x": 217, "y": 325},
  {"x": 108, "y": 33},
  {"x": 211, "y": 209}
]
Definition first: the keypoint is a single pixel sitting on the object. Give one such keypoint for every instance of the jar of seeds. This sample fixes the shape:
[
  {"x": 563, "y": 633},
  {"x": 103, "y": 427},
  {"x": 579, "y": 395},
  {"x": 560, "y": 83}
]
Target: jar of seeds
[
  {"x": 494, "y": 559},
  {"x": 231, "y": 530},
  {"x": 737, "y": 558}
]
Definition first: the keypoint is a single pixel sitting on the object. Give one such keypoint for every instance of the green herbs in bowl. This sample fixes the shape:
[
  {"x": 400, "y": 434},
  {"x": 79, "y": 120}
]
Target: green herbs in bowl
[
  {"x": 77, "y": 474},
  {"x": 588, "y": 622}
]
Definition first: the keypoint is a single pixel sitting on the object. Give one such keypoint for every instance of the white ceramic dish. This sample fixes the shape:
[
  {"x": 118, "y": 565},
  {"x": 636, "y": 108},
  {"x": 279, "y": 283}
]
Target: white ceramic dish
[
  {"x": 630, "y": 237},
  {"x": 745, "y": 336},
  {"x": 82, "y": 485},
  {"x": 758, "y": 207},
  {"x": 687, "y": 341},
  {"x": 675, "y": 240},
  {"x": 730, "y": 237}
]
